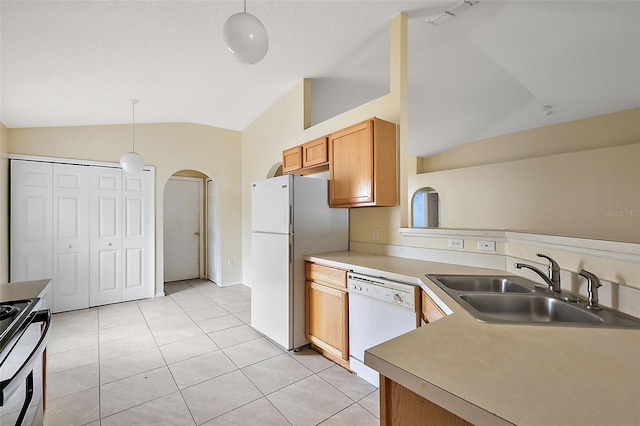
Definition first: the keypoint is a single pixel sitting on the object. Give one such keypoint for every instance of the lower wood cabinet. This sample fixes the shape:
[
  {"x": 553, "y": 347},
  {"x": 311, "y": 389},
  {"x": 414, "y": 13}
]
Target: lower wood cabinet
[
  {"x": 430, "y": 310},
  {"x": 327, "y": 312},
  {"x": 401, "y": 406}
]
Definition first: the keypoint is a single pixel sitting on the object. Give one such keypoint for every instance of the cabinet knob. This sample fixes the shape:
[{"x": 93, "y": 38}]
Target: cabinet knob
[
  {"x": 110, "y": 244},
  {"x": 69, "y": 246}
]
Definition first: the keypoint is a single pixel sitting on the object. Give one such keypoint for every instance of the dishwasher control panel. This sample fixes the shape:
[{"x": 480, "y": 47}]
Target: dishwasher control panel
[{"x": 393, "y": 292}]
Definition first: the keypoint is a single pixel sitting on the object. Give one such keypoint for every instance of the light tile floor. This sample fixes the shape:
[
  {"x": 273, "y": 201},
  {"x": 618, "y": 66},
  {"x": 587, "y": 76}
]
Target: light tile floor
[{"x": 191, "y": 358}]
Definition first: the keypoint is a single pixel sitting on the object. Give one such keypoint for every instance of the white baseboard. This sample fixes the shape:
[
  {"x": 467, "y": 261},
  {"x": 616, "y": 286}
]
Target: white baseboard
[{"x": 229, "y": 283}]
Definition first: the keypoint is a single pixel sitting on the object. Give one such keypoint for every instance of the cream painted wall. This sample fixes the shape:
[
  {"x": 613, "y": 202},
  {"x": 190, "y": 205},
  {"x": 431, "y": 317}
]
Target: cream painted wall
[
  {"x": 615, "y": 129},
  {"x": 591, "y": 194},
  {"x": 4, "y": 205},
  {"x": 170, "y": 148},
  {"x": 283, "y": 126}
]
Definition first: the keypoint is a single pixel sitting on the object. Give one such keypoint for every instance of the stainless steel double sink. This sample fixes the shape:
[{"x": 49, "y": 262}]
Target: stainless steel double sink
[{"x": 516, "y": 300}]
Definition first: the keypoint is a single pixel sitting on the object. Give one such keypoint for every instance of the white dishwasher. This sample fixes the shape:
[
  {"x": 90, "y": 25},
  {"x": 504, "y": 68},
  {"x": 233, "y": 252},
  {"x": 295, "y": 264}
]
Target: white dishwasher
[{"x": 379, "y": 310}]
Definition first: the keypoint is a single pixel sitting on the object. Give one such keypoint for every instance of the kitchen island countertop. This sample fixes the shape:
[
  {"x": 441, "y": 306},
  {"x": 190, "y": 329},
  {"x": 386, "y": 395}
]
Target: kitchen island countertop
[{"x": 502, "y": 374}]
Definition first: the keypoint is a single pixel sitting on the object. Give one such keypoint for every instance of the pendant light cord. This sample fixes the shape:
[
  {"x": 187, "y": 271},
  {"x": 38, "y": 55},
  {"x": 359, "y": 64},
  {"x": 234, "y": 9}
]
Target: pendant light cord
[
  {"x": 245, "y": 6},
  {"x": 133, "y": 125}
]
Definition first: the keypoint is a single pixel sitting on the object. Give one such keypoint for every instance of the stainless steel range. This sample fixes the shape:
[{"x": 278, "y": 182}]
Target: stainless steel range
[{"x": 24, "y": 330}]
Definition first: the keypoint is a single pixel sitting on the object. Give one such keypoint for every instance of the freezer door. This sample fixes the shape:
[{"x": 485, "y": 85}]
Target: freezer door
[
  {"x": 271, "y": 289},
  {"x": 271, "y": 205}
]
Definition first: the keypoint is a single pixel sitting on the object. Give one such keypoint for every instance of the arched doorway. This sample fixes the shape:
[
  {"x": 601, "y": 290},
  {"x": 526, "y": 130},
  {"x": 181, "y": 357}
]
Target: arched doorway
[{"x": 190, "y": 227}]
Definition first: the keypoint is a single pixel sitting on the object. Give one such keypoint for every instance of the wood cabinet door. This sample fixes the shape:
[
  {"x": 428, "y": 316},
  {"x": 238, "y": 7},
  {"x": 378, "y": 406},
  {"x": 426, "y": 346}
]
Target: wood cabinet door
[
  {"x": 315, "y": 152},
  {"x": 430, "y": 311},
  {"x": 351, "y": 169},
  {"x": 400, "y": 406},
  {"x": 292, "y": 159},
  {"x": 327, "y": 319}
]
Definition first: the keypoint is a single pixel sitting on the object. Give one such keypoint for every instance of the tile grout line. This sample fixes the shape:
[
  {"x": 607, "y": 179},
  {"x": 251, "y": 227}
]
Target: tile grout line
[{"x": 173, "y": 376}]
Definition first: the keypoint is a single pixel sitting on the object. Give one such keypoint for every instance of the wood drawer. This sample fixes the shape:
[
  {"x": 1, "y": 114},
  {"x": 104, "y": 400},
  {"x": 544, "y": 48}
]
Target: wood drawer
[{"x": 326, "y": 275}]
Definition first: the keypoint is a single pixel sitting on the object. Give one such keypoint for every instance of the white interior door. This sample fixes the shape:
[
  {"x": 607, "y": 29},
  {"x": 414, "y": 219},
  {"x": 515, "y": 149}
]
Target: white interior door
[
  {"x": 70, "y": 237},
  {"x": 106, "y": 236},
  {"x": 31, "y": 220},
  {"x": 212, "y": 233},
  {"x": 183, "y": 208}
]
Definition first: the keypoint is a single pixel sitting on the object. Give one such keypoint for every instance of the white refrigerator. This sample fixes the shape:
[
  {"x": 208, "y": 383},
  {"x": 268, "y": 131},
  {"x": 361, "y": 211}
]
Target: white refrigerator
[{"x": 290, "y": 218}]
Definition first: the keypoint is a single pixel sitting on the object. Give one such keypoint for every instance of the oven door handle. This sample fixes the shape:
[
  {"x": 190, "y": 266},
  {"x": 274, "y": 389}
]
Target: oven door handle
[{"x": 9, "y": 386}]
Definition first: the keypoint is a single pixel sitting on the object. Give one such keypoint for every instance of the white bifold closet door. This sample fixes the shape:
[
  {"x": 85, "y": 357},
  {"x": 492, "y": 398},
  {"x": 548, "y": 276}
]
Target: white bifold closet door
[
  {"x": 121, "y": 243},
  {"x": 31, "y": 221},
  {"x": 87, "y": 228},
  {"x": 106, "y": 236},
  {"x": 70, "y": 237},
  {"x": 137, "y": 238}
]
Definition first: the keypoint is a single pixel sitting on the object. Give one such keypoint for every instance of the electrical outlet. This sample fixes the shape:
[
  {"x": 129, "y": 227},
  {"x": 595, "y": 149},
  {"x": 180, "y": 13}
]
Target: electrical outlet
[
  {"x": 230, "y": 262},
  {"x": 376, "y": 234},
  {"x": 457, "y": 244},
  {"x": 487, "y": 245}
]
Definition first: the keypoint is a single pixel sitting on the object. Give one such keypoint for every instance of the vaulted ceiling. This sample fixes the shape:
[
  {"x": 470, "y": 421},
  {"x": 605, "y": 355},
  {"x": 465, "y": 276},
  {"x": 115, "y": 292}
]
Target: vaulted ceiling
[{"x": 490, "y": 70}]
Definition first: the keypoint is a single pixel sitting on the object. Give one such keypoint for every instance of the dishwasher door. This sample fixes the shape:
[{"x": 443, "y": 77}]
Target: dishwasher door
[{"x": 373, "y": 321}]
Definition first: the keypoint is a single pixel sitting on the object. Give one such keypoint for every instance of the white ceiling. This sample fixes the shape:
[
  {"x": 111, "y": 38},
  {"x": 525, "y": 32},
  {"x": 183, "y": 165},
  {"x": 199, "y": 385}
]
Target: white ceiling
[{"x": 488, "y": 71}]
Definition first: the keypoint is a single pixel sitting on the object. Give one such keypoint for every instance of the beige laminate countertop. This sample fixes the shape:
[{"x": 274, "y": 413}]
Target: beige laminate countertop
[
  {"x": 23, "y": 290},
  {"x": 501, "y": 374}
]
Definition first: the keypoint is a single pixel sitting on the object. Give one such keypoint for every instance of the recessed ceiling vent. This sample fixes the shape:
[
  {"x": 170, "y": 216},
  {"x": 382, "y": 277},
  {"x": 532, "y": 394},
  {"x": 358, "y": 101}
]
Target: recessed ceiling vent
[{"x": 451, "y": 12}]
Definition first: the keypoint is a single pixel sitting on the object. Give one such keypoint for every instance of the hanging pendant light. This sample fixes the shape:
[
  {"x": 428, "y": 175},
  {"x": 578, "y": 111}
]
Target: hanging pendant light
[
  {"x": 132, "y": 162},
  {"x": 246, "y": 37}
]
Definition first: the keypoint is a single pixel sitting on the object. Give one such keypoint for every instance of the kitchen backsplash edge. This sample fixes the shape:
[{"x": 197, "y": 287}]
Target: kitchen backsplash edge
[{"x": 620, "y": 292}]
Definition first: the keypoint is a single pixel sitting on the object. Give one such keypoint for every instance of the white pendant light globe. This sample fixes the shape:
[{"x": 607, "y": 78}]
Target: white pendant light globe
[
  {"x": 246, "y": 37},
  {"x": 132, "y": 162}
]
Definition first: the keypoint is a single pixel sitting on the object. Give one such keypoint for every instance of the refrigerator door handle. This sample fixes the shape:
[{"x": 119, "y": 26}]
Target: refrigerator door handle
[{"x": 290, "y": 216}]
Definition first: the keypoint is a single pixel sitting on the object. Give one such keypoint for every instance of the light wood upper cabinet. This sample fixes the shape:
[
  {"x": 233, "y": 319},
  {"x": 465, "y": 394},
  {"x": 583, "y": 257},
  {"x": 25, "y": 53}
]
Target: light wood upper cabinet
[
  {"x": 327, "y": 311},
  {"x": 362, "y": 165},
  {"x": 292, "y": 159},
  {"x": 315, "y": 152}
]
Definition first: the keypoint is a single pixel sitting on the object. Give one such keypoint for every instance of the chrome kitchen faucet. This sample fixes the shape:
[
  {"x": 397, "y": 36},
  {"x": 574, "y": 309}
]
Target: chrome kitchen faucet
[{"x": 552, "y": 278}]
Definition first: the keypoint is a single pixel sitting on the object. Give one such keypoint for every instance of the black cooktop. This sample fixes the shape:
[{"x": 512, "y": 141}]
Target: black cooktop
[{"x": 13, "y": 314}]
